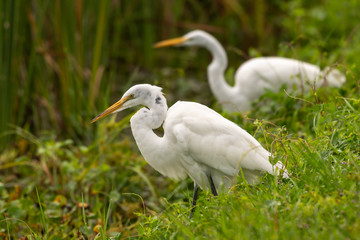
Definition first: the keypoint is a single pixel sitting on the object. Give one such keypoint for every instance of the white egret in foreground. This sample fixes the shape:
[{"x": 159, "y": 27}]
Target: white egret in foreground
[
  {"x": 197, "y": 141},
  {"x": 256, "y": 75}
]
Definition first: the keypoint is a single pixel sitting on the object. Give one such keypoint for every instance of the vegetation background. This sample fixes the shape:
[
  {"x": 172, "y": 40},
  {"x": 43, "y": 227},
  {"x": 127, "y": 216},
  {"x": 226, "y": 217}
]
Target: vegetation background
[{"x": 63, "y": 62}]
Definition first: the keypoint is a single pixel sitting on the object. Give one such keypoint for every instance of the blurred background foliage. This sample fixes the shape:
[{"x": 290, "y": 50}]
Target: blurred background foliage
[{"x": 62, "y": 62}]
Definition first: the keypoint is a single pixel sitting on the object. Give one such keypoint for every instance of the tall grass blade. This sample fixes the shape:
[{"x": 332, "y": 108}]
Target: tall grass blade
[
  {"x": 43, "y": 219},
  {"x": 84, "y": 216},
  {"x": 7, "y": 22},
  {"x": 100, "y": 31}
]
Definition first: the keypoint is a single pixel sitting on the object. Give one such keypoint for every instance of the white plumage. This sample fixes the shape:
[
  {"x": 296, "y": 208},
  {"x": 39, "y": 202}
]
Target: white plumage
[
  {"x": 197, "y": 141},
  {"x": 255, "y": 75}
]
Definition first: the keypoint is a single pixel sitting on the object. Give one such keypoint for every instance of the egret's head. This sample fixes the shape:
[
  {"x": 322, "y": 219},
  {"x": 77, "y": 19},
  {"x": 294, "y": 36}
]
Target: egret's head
[
  {"x": 141, "y": 94},
  {"x": 334, "y": 77},
  {"x": 193, "y": 38}
]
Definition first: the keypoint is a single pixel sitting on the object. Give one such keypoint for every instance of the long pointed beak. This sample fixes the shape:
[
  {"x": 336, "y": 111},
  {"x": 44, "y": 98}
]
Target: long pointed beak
[
  {"x": 170, "y": 42},
  {"x": 112, "y": 108}
]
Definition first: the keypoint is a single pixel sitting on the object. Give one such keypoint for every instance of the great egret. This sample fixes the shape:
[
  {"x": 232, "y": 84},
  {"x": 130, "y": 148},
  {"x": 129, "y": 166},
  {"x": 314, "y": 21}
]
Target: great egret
[
  {"x": 197, "y": 141},
  {"x": 256, "y": 75}
]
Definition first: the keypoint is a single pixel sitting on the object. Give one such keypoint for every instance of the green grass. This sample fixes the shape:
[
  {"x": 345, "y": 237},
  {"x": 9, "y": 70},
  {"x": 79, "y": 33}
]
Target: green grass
[
  {"x": 63, "y": 62},
  {"x": 91, "y": 184}
]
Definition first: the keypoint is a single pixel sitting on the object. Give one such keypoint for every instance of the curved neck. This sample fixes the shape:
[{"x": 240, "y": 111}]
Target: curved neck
[
  {"x": 215, "y": 71},
  {"x": 150, "y": 117},
  {"x": 142, "y": 124}
]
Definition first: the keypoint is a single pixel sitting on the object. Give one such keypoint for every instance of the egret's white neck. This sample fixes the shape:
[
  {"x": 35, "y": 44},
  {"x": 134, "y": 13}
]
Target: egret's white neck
[
  {"x": 142, "y": 124},
  {"x": 216, "y": 70}
]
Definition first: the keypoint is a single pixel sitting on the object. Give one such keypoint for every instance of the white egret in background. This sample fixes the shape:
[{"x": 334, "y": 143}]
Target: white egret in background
[
  {"x": 197, "y": 141},
  {"x": 256, "y": 75}
]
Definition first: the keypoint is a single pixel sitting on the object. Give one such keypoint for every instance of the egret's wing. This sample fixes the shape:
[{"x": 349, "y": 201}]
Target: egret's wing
[
  {"x": 213, "y": 141},
  {"x": 258, "y": 74}
]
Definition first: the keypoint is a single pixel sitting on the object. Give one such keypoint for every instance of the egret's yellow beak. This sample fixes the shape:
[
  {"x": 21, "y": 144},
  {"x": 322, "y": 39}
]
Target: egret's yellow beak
[
  {"x": 170, "y": 42},
  {"x": 112, "y": 108}
]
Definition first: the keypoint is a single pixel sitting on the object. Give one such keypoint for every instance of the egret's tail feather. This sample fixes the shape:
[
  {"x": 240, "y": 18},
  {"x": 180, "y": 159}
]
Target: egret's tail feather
[
  {"x": 280, "y": 168},
  {"x": 334, "y": 77}
]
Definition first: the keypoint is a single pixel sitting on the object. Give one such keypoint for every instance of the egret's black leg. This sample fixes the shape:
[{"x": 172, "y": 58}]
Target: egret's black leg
[
  {"x": 213, "y": 189},
  {"x": 195, "y": 196}
]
